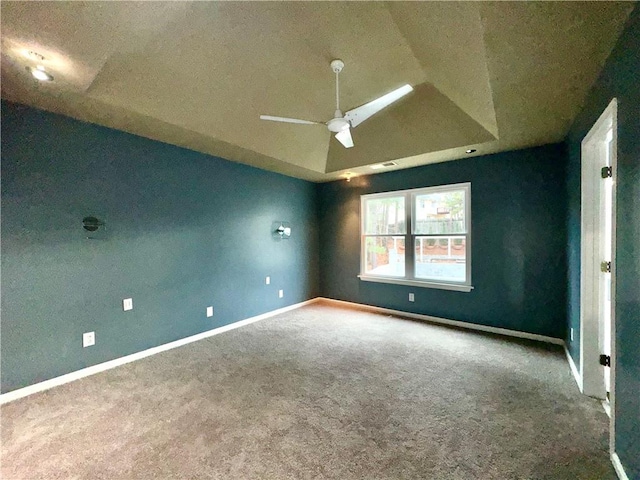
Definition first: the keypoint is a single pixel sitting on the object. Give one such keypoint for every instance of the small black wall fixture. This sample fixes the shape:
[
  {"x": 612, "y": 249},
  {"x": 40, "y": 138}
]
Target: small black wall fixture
[
  {"x": 281, "y": 230},
  {"x": 91, "y": 224}
]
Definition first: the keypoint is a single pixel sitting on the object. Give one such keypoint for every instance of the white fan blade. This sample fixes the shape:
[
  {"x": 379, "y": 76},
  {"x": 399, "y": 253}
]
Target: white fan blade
[
  {"x": 289, "y": 120},
  {"x": 361, "y": 113},
  {"x": 344, "y": 137}
]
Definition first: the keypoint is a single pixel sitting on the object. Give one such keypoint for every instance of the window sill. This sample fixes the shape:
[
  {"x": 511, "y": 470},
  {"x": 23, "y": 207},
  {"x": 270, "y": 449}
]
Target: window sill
[{"x": 416, "y": 283}]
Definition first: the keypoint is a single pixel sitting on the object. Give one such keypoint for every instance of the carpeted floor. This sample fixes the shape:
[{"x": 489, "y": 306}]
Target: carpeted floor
[{"x": 319, "y": 392}]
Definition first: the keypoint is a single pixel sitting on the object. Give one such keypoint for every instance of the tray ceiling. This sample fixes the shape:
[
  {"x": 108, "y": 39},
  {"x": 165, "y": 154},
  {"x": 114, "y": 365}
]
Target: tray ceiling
[{"x": 490, "y": 76}]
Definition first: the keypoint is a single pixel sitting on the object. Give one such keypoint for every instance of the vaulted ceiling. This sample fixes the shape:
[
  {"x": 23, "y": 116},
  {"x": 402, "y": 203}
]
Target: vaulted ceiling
[{"x": 490, "y": 76}]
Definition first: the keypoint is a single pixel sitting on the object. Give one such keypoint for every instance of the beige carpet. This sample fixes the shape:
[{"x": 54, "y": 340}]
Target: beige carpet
[{"x": 319, "y": 392}]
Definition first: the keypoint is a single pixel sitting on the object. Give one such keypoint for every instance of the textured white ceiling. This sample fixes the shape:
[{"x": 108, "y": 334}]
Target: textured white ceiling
[{"x": 491, "y": 76}]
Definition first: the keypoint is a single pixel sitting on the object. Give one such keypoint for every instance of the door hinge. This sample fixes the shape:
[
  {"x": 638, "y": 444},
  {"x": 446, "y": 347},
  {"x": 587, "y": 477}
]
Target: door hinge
[
  {"x": 605, "y": 360},
  {"x": 605, "y": 267},
  {"x": 606, "y": 172}
]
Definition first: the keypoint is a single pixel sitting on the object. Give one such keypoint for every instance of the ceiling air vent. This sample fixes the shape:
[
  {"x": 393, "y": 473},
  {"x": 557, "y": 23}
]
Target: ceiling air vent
[{"x": 378, "y": 166}]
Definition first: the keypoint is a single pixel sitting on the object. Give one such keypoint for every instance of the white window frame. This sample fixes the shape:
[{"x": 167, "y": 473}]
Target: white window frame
[{"x": 410, "y": 238}]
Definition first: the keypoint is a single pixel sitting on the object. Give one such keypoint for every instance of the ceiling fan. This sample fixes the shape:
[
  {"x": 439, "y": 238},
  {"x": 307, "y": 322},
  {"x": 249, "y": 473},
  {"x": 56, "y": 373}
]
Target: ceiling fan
[{"x": 341, "y": 124}]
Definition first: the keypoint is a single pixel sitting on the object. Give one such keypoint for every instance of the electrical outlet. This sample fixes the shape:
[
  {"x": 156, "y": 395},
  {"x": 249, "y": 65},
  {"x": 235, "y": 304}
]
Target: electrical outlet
[
  {"x": 127, "y": 304},
  {"x": 267, "y": 281},
  {"x": 572, "y": 334},
  {"x": 88, "y": 339},
  {"x": 280, "y": 293},
  {"x": 412, "y": 298},
  {"x": 209, "y": 311}
]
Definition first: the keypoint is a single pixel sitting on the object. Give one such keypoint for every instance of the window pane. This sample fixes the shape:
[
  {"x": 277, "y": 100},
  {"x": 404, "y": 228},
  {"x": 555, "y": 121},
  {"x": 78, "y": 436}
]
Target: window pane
[
  {"x": 440, "y": 213},
  {"x": 384, "y": 256},
  {"x": 441, "y": 258},
  {"x": 384, "y": 215}
]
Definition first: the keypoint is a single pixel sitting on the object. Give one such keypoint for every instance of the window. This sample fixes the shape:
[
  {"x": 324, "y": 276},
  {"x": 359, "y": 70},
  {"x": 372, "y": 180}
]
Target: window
[{"x": 418, "y": 237}]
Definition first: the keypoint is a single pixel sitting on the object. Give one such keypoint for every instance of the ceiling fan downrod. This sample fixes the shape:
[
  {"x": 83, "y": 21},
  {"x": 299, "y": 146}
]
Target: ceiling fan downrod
[{"x": 337, "y": 66}]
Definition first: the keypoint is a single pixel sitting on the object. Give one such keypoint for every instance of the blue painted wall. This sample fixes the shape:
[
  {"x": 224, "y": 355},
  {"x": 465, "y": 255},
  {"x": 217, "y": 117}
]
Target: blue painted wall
[
  {"x": 518, "y": 245},
  {"x": 184, "y": 231},
  {"x": 620, "y": 78}
]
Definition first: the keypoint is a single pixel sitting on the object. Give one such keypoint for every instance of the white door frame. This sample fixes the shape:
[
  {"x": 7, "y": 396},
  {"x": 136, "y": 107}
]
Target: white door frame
[{"x": 591, "y": 372}]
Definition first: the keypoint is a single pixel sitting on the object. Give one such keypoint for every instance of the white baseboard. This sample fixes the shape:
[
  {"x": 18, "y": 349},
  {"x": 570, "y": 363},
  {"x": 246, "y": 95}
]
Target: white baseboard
[
  {"x": 101, "y": 367},
  {"x": 574, "y": 369},
  {"x": 617, "y": 465},
  {"x": 453, "y": 323}
]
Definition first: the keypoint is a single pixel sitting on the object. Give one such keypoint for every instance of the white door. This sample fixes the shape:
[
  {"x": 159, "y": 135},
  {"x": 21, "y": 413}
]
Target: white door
[{"x": 597, "y": 287}]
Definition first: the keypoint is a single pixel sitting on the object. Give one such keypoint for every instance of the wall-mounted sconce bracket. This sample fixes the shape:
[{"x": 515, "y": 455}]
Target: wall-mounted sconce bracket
[{"x": 281, "y": 230}]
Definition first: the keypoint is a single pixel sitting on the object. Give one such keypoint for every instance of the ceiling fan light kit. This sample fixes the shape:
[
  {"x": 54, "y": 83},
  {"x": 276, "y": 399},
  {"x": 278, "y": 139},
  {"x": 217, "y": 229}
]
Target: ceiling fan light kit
[{"x": 341, "y": 124}]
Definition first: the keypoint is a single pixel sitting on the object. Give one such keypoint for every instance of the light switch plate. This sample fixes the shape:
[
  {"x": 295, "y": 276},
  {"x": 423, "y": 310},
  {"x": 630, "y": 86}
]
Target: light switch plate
[
  {"x": 127, "y": 304},
  {"x": 412, "y": 297},
  {"x": 267, "y": 281},
  {"x": 88, "y": 339},
  {"x": 209, "y": 311},
  {"x": 280, "y": 293}
]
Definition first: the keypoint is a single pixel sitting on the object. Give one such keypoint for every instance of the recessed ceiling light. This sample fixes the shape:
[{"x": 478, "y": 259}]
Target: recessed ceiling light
[
  {"x": 378, "y": 166},
  {"x": 39, "y": 73},
  {"x": 471, "y": 150}
]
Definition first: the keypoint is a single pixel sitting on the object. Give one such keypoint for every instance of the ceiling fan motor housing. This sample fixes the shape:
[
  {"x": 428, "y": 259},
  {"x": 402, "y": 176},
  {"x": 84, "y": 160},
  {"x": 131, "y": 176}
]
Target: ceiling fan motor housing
[{"x": 338, "y": 124}]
